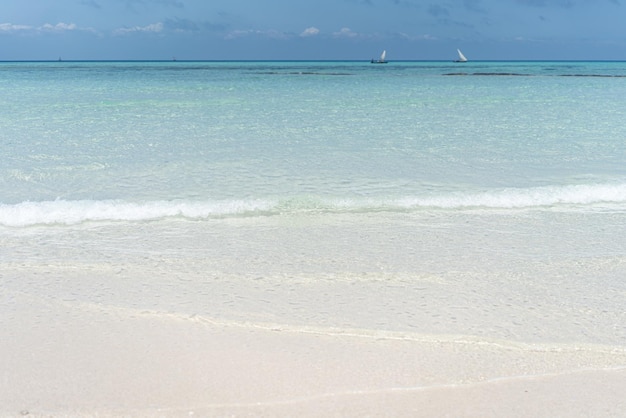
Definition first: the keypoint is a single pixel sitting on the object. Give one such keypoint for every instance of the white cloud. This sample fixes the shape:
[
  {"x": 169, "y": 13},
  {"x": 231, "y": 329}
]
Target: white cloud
[
  {"x": 59, "y": 27},
  {"x": 345, "y": 33},
  {"x": 424, "y": 37},
  {"x": 9, "y": 27},
  {"x": 152, "y": 28},
  {"x": 312, "y": 31},
  {"x": 238, "y": 34},
  {"x": 273, "y": 34}
]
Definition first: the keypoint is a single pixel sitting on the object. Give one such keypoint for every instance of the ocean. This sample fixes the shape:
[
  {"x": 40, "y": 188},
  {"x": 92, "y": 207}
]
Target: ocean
[
  {"x": 482, "y": 202},
  {"x": 128, "y": 141}
]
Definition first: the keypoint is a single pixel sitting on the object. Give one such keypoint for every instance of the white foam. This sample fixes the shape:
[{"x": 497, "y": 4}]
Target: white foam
[
  {"x": 525, "y": 198},
  {"x": 69, "y": 212},
  {"x": 73, "y": 212}
]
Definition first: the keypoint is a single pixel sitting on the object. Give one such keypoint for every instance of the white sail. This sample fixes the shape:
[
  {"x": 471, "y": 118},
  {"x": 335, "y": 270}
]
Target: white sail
[
  {"x": 461, "y": 56},
  {"x": 380, "y": 60}
]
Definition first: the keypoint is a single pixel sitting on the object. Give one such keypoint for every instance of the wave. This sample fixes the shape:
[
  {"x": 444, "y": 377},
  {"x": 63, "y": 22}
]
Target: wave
[
  {"x": 537, "y": 197},
  {"x": 68, "y": 212},
  {"x": 77, "y": 211}
]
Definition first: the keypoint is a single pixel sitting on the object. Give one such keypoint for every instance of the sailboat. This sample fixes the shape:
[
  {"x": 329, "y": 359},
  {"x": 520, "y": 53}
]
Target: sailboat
[
  {"x": 461, "y": 57},
  {"x": 380, "y": 60}
]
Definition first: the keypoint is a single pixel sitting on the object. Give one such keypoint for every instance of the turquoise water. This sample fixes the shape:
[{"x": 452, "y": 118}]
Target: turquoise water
[
  {"x": 485, "y": 199},
  {"x": 141, "y": 140}
]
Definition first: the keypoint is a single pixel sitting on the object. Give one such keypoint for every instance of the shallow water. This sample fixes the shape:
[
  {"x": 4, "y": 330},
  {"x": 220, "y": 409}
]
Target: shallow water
[{"x": 405, "y": 200}]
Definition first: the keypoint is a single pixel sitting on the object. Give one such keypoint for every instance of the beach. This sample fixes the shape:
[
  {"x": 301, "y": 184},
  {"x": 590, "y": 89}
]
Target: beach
[
  {"x": 164, "y": 324},
  {"x": 312, "y": 239},
  {"x": 156, "y": 367}
]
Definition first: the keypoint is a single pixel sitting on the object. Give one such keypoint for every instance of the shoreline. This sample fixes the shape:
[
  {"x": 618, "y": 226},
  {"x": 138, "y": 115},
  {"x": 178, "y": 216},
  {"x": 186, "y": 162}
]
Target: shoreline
[{"x": 328, "y": 315}]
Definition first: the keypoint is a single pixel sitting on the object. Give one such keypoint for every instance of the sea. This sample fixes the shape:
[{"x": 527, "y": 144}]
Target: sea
[{"x": 481, "y": 201}]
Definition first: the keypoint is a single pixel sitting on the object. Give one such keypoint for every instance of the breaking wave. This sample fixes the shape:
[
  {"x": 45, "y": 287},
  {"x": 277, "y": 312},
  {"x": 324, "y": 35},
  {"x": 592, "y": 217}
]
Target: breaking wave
[{"x": 68, "y": 212}]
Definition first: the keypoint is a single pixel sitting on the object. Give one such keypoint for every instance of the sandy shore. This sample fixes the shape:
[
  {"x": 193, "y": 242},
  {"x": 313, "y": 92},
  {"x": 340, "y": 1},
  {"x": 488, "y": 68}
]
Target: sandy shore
[
  {"x": 97, "y": 362},
  {"x": 318, "y": 317}
]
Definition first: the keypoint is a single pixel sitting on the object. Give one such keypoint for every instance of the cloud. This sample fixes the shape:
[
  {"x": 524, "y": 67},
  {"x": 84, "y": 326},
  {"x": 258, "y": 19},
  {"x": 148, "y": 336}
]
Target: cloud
[
  {"x": 187, "y": 25},
  {"x": 424, "y": 37},
  {"x": 181, "y": 25},
  {"x": 59, "y": 27},
  {"x": 9, "y": 27},
  {"x": 345, "y": 33},
  {"x": 272, "y": 34},
  {"x": 152, "y": 28},
  {"x": 312, "y": 31},
  {"x": 238, "y": 34}
]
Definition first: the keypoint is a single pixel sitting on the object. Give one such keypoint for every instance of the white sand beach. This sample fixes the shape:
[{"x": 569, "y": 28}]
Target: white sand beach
[
  {"x": 92, "y": 362},
  {"x": 148, "y": 323}
]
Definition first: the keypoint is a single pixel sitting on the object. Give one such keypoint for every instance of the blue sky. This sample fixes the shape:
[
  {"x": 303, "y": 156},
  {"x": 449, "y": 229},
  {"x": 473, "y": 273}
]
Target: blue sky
[{"x": 312, "y": 29}]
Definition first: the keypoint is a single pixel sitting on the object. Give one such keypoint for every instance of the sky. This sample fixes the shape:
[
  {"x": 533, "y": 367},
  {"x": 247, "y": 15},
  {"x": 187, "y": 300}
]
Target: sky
[{"x": 312, "y": 29}]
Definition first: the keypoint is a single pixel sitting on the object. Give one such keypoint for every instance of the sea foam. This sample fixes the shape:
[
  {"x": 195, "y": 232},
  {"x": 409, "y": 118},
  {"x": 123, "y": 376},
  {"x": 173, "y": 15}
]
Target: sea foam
[
  {"x": 72, "y": 212},
  {"x": 536, "y": 197},
  {"x": 68, "y": 212}
]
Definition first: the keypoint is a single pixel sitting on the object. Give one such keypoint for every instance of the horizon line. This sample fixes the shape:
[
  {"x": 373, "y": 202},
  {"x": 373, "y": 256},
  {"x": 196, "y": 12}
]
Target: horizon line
[{"x": 60, "y": 60}]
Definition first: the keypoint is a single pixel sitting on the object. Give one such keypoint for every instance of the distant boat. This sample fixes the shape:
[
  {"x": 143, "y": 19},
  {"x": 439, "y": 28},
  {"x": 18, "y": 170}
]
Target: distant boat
[
  {"x": 380, "y": 60},
  {"x": 461, "y": 57}
]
